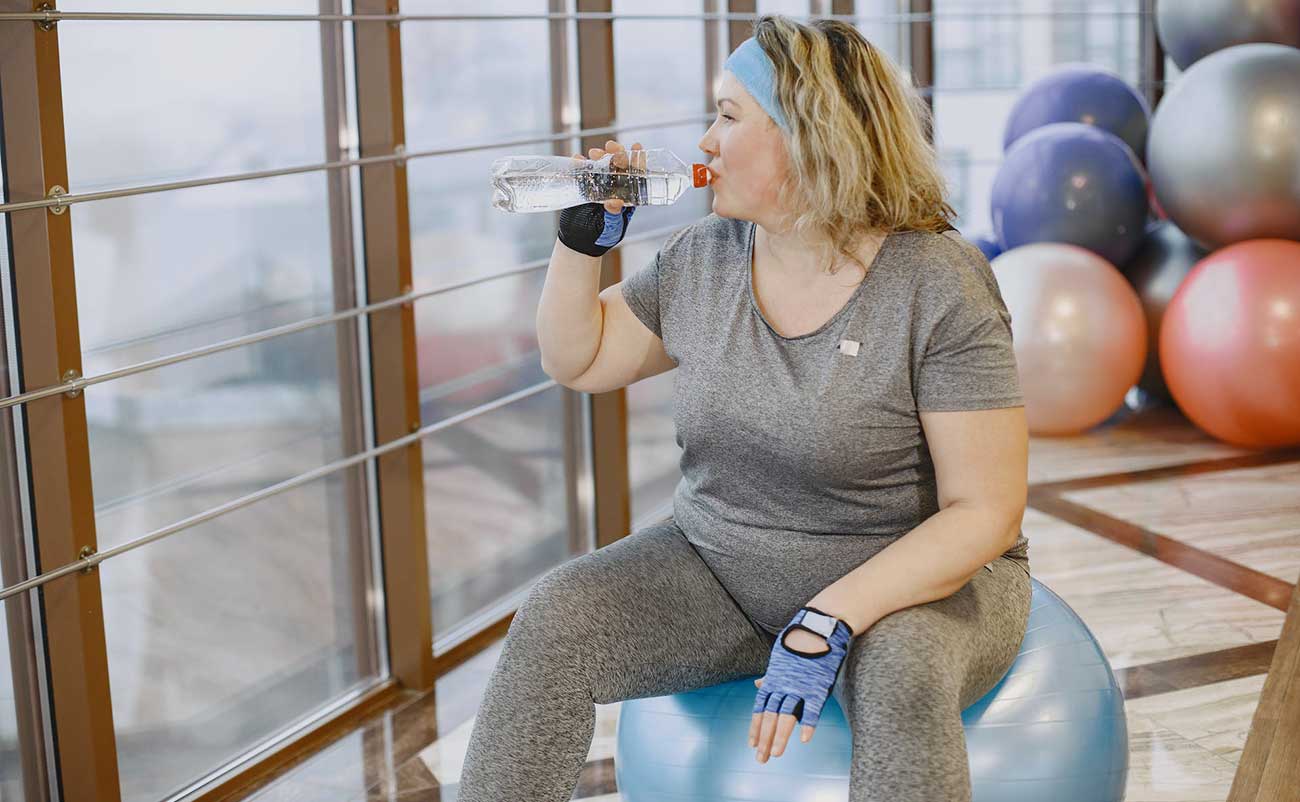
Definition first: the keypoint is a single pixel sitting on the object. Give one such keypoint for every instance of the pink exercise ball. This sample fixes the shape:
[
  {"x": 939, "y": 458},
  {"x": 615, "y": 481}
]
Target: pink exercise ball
[
  {"x": 1230, "y": 344},
  {"x": 1079, "y": 332}
]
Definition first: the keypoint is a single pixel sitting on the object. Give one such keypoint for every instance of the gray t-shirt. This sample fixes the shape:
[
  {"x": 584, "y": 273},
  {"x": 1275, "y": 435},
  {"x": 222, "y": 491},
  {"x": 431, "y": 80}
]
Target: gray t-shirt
[{"x": 789, "y": 442}]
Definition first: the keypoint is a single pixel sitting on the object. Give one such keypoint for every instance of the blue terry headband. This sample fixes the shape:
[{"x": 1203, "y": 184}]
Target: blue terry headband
[{"x": 754, "y": 70}]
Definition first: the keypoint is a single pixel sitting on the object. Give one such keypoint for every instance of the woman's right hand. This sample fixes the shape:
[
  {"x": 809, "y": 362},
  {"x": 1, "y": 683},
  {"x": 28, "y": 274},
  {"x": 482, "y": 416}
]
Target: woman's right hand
[
  {"x": 589, "y": 229},
  {"x": 622, "y": 157}
]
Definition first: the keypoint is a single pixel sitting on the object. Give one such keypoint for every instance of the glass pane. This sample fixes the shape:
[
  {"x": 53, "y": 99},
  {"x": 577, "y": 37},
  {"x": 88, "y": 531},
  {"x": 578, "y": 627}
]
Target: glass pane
[
  {"x": 233, "y": 97},
  {"x": 987, "y": 52},
  {"x": 496, "y": 505},
  {"x": 891, "y": 36},
  {"x": 13, "y": 746},
  {"x": 175, "y": 441},
  {"x": 16, "y": 745},
  {"x": 233, "y": 631},
  {"x": 495, "y": 485},
  {"x": 454, "y": 95},
  {"x": 167, "y": 272},
  {"x": 876, "y": 21},
  {"x": 659, "y": 66},
  {"x": 793, "y": 8},
  {"x": 474, "y": 81},
  {"x": 478, "y": 344},
  {"x": 663, "y": 82},
  {"x": 660, "y": 83},
  {"x": 653, "y": 456}
]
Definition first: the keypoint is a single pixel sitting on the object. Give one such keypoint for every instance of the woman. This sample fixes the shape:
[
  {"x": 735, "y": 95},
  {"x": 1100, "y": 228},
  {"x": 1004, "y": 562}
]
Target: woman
[{"x": 854, "y": 446}]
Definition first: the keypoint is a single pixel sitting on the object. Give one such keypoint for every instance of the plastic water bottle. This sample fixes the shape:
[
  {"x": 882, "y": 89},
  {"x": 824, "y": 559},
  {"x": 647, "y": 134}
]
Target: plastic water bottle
[{"x": 653, "y": 177}]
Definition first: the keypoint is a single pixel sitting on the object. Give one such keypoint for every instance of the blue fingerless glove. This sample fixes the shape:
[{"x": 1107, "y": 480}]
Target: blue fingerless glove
[{"x": 796, "y": 682}]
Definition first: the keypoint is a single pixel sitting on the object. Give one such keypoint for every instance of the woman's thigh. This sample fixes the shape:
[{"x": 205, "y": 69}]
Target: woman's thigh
[
  {"x": 643, "y": 616},
  {"x": 956, "y": 648}
]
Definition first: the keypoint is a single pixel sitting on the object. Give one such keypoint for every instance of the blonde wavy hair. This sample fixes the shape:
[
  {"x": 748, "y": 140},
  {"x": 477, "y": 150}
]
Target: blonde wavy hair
[{"x": 861, "y": 160}]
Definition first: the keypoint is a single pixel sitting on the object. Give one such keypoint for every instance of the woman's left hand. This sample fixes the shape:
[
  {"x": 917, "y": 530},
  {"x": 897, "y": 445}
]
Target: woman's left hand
[{"x": 801, "y": 674}]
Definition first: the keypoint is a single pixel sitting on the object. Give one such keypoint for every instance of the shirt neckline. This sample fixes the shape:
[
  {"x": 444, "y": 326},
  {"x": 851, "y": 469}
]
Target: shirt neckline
[{"x": 843, "y": 310}]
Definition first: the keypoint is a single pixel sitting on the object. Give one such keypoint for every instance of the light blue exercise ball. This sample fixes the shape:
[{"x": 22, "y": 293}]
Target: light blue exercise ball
[{"x": 1052, "y": 729}]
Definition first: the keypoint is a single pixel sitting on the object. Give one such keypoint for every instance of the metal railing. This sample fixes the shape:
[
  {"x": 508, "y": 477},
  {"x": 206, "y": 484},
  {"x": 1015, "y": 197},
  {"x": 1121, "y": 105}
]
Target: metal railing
[
  {"x": 52, "y": 17},
  {"x": 74, "y": 386},
  {"x": 61, "y": 201},
  {"x": 90, "y": 561}
]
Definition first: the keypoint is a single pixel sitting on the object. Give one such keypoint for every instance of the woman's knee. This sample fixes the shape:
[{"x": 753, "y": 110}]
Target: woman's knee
[
  {"x": 572, "y": 605},
  {"x": 902, "y": 665},
  {"x": 563, "y": 597},
  {"x": 559, "y": 609}
]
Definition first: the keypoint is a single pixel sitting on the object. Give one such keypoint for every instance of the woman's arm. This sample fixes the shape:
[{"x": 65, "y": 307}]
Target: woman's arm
[{"x": 981, "y": 465}]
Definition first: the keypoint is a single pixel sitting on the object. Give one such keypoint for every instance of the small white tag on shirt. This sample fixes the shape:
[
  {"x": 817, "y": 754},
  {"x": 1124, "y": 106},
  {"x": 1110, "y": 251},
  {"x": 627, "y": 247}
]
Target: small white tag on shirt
[{"x": 849, "y": 347}]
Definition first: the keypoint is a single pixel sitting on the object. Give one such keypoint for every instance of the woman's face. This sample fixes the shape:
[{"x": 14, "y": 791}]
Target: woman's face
[{"x": 748, "y": 157}]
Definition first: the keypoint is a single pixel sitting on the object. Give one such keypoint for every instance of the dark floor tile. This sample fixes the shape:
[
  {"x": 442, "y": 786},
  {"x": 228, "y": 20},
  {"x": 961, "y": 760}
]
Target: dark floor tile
[
  {"x": 1195, "y": 670},
  {"x": 411, "y": 781},
  {"x": 597, "y": 779}
]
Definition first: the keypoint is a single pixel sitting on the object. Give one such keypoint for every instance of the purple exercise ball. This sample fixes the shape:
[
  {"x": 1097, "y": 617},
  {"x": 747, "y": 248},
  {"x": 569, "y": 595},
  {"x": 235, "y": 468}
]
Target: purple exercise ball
[
  {"x": 1071, "y": 183},
  {"x": 1081, "y": 93},
  {"x": 987, "y": 243}
]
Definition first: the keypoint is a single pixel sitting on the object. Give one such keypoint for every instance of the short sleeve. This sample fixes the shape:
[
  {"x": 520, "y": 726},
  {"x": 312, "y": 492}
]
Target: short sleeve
[
  {"x": 650, "y": 291},
  {"x": 641, "y": 292},
  {"x": 965, "y": 359}
]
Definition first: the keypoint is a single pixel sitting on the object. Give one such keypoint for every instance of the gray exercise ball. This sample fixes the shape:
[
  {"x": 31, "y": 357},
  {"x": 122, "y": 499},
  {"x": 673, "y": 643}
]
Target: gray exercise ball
[
  {"x": 1156, "y": 271},
  {"x": 1224, "y": 148},
  {"x": 1192, "y": 29}
]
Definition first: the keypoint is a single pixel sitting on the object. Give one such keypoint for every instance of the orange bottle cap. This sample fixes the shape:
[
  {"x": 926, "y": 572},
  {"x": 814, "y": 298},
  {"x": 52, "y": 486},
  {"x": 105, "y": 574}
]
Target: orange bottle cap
[{"x": 700, "y": 175}]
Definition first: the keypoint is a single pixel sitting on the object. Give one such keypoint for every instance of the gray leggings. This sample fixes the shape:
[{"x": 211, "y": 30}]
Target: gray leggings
[{"x": 645, "y": 616}]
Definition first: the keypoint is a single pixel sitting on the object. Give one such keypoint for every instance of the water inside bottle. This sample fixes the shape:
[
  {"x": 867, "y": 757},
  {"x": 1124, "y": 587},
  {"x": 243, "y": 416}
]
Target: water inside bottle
[{"x": 534, "y": 192}]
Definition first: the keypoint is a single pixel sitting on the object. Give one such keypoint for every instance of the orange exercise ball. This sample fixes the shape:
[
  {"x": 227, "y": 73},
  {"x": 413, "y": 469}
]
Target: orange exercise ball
[
  {"x": 1079, "y": 333},
  {"x": 1230, "y": 344}
]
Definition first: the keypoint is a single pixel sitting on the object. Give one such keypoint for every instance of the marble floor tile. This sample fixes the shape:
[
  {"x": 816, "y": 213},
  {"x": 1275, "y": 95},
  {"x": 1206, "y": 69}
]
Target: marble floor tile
[
  {"x": 1139, "y": 609},
  {"x": 295, "y": 789},
  {"x": 446, "y": 757},
  {"x": 1129, "y": 442},
  {"x": 1249, "y": 516},
  {"x": 411, "y": 781},
  {"x": 1166, "y": 767},
  {"x": 1214, "y": 717},
  {"x": 459, "y": 691}
]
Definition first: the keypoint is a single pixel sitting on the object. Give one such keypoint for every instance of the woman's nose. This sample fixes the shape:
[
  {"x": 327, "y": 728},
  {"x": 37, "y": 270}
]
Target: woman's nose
[{"x": 706, "y": 142}]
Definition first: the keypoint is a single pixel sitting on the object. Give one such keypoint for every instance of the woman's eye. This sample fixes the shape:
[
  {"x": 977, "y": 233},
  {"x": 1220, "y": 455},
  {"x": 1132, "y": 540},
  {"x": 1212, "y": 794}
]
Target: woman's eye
[{"x": 726, "y": 116}]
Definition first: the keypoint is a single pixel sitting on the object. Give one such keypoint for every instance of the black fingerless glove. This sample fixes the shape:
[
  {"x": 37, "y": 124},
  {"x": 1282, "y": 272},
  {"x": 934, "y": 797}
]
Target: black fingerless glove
[{"x": 590, "y": 229}]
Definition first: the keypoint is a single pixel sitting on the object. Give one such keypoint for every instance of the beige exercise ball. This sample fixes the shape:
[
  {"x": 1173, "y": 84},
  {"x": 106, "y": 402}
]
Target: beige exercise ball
[{"x": 1079, "y": 332}]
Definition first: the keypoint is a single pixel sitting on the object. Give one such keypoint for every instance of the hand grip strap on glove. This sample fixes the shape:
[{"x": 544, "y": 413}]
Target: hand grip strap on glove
[{"x": 590, "y": 229}]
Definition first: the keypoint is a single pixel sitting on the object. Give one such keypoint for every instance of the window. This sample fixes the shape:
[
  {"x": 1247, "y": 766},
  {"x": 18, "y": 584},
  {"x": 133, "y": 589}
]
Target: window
[
  {"x": 495, "y": 485},
  {"x": 237, "y": 629}
]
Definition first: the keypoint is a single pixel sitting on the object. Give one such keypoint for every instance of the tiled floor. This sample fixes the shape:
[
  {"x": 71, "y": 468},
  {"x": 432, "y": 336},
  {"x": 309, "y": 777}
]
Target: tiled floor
[{"x": 1191, "y": 651}]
